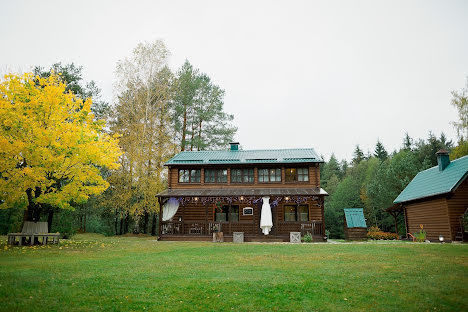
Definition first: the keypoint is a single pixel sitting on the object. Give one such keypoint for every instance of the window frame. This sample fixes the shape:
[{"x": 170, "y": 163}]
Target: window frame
[
  {"x": 247, "y": 214},
  {"x": 228, "y": 213},
  {"x": 189, "y": 175},
  {"x": 296, "y": 212},
  {"x": 296, "y": 176},
  {"x": 216, "y": 171},
  {"x": 243, "y": 175},
  {"x": 269, "y": 175}
]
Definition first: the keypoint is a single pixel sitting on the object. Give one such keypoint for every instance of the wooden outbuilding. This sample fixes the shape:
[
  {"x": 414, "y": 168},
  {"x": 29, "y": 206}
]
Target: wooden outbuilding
[
  {"x": 355, "y": 227},
  {"x": 265, "y": 194},
  {"x": 437, "y": 199}
]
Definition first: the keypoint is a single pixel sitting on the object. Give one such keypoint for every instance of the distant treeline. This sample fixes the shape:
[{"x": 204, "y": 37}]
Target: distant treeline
[{"x": 374, "y": 180}]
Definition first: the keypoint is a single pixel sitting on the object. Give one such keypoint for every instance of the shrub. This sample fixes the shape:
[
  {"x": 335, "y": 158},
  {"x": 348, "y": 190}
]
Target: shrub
[
  {"x": 421, "y": 236},
  {"x": 375, "y": 233},
  {"x": 308, "y": 238}
]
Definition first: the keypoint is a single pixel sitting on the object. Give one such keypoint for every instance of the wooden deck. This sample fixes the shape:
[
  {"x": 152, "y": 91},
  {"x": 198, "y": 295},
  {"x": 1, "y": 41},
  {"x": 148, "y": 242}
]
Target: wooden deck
[{"x": 203, "y": 231}]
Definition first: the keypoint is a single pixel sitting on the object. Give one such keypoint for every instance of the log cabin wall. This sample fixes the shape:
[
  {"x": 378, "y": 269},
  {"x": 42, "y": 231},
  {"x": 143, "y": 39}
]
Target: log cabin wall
[
  {"x": 457, "y": 205},
  {"x": 432, "y": 214},
  {"x": 314, "y": 177},
  {"x": 199, "y": 212}
]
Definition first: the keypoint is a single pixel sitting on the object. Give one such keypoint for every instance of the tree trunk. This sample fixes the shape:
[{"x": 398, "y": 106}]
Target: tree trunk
[
  {"x": 184, "y": 128},
  {"x": 126, "y": 223},
  {"x": 121, "y": 225},
  {"x": 191, "y": 136},
  {"x": 199, "y": 134},
  {"x": 33, "y": 211},
  {"x": 145, "y": 223},
  {"x": 50, "y": 218},
  {"x": 153, "y": 226},
  {"x": 116, "y": 221}
]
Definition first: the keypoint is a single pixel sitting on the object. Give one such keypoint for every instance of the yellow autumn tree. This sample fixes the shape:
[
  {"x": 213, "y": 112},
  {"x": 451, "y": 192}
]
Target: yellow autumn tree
[{"x": 51, "y": 146}]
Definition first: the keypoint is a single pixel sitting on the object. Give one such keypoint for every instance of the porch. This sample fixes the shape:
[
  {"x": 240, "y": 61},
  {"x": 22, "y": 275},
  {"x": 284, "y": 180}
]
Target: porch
[
  {"x": 203, "y": 231},
  {"x": 199, "y": 214}
]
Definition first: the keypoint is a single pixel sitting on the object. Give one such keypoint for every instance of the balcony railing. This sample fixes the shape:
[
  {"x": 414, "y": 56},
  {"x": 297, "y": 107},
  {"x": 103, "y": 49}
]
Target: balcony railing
[{"x": 208, "y": 228}]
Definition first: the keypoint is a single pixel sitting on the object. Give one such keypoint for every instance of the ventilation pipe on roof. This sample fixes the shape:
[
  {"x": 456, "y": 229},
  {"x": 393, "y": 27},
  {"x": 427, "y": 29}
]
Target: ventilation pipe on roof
[
  {"x": 234, "y": 146},
  {"x": 443, "y": 159}
]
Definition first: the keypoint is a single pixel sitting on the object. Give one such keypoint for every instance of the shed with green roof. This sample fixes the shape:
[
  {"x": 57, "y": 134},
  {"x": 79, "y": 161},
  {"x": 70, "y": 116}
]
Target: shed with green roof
[
  {"x": 437, "y": 199},
  {"x": 355, "y": 227}
]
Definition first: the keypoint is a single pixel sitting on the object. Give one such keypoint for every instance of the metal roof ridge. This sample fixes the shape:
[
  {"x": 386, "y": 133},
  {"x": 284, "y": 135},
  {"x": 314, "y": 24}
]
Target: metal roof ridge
[
  {"x": 252, "y": 150},
  {"x": 437, "y": 166}
]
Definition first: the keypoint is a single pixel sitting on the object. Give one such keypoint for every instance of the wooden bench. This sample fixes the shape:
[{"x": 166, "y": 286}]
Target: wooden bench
[{"x": 32, "y": 230}]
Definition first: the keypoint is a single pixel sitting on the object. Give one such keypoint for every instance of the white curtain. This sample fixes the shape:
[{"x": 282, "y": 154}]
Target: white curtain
[
  {"x": 170, "y": 209},
  {"x": 266, "y": 220}
]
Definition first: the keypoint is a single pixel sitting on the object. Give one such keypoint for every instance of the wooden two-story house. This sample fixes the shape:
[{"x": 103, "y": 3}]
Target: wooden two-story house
[{"x": 240, "y": 191}]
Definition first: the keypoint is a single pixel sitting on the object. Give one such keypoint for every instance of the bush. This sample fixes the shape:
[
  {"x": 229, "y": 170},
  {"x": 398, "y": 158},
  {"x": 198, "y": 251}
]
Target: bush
[
  {"x": 421, "y": 236},
  {"x": 375, "y": 233},
  {"x": 308, "y": 238}
]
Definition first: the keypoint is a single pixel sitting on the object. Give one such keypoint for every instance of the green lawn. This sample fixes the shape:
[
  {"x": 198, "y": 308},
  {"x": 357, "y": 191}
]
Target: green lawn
[{"x": 126, "y": 273}]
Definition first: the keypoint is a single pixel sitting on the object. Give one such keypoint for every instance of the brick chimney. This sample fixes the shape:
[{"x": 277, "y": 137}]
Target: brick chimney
[{"x": 443, "y": 159}]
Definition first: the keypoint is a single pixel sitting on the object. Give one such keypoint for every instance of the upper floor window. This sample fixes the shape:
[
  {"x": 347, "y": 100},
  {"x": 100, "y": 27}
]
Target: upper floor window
[
  {"x": 297, "y": 174},
  {"x": 269, "y": 175},
  {"x": 242, "y": 175},
  {"x": 189, "y": 175},
  {"x": 215, "y": 175}
]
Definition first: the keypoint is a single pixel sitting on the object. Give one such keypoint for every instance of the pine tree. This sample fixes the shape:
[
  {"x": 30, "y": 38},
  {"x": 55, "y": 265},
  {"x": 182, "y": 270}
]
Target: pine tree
[
  {"x": 380, "y": 151},
  {"x": 407, "y": 142},
  {"x": 358, "y": 155}
]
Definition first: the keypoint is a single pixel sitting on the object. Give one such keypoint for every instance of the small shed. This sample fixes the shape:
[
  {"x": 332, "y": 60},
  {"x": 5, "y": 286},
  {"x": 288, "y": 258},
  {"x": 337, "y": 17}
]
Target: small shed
[{"x": 355, "y": 227}]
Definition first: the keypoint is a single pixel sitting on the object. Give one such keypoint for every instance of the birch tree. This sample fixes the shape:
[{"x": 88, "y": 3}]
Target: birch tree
[{"x": 142, "y": 117}]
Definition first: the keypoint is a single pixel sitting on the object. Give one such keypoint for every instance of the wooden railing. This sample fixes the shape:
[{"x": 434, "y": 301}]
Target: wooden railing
[
  {"x": 208, "y": 228},
  {"x": 312, "y": 227},
  {"x": 189, "y": 228}
]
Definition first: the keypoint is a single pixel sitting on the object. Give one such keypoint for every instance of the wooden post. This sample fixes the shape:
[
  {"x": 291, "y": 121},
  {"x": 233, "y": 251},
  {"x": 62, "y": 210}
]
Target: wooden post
[
  {"x": 322, "y": 202},
  {"x": 160, "y": 218},
  {"x": 406, "y": 222}
]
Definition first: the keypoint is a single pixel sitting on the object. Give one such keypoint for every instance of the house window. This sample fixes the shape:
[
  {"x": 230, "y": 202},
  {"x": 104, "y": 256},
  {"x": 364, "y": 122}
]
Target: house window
[
  {"x": 269, "y": 175},
  {"x": 297, "y": 174},
  {"x": 189, "y": 175},
  {"x": 296, "y": 213},
  {"x": 242, "y": 175},
  {"x": 215, "y": 175},
  {"x": 224, "y": 214}
]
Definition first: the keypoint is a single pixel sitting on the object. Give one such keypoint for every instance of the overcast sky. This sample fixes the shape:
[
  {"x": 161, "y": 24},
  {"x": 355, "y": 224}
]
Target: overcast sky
[{"x": 322, "y": 74}]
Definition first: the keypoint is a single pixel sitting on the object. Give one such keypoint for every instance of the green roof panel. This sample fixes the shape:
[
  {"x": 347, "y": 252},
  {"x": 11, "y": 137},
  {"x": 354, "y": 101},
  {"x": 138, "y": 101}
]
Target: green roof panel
[
  {"x": 355, "y": 218},
  {"x": 246, "y": 157},
  {"x": 433, "y": 182}
]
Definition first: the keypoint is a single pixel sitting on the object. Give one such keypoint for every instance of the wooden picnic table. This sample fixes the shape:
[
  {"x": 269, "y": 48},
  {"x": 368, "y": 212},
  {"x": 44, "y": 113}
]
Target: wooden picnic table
[{"x": 32, "y": 230}]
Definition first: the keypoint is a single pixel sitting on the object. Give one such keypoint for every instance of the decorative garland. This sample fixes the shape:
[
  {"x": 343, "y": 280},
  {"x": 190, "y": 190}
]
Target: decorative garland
[{"x": 250, "y": 200}]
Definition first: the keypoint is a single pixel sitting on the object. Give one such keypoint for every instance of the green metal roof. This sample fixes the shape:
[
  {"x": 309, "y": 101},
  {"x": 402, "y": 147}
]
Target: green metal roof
[
  {"x": 355, "y": 217},
  {"x": 272, "y": 156},
  {"x": 432, "y": 181}
]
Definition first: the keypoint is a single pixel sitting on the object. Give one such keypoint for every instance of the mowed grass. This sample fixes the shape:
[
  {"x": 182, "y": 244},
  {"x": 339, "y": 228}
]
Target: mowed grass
[{"x": 92, "y": 273}]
